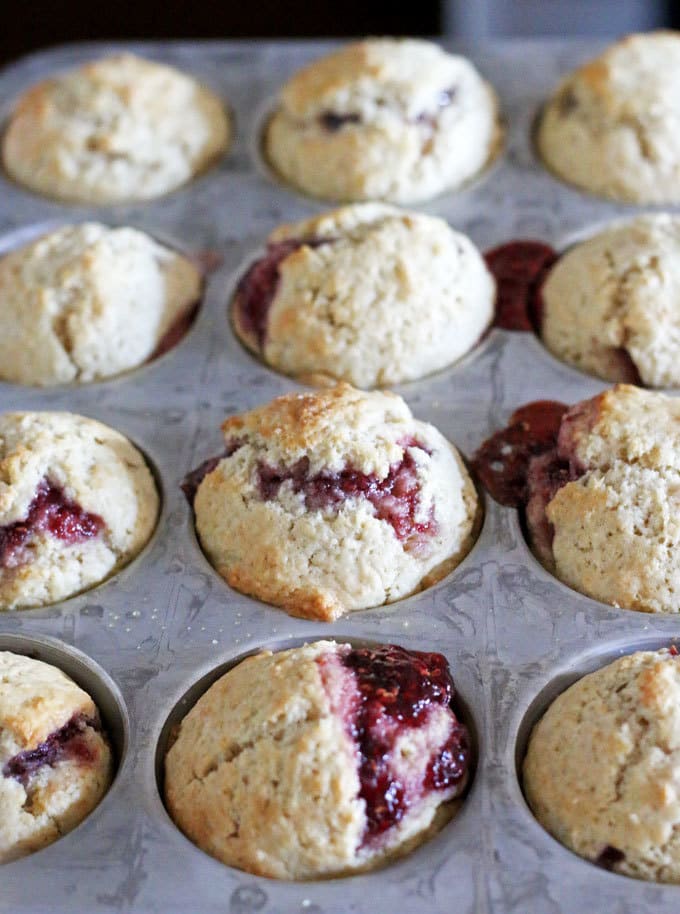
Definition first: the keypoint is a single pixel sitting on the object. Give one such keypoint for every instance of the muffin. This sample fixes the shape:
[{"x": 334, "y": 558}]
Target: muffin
[
  {"x": 319, "y": 761},
  {"x": 114, "y": 130},
  {"x": 366, "y": 294},
  {"x": 333, "y": 501},
  {"x": 601, "y": 769},
  {"x": 599, "y": 485},
  {"x": 611, "y": 305},
  {"x": 77, "y": 502},
  {"x": 383, "y": 119},
  {"x": 55, "y": 761},
  {"x": 86, "y": 302},
  {"x": 612, "y": 126}
]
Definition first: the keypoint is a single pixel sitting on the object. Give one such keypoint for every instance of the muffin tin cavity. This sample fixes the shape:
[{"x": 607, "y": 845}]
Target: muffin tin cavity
[
  {"x": 407, "y": 699},
  {"x": 70, "y": 274},
  {"x": 645, "y": 706},
  {"x": 88, "y": 675}
]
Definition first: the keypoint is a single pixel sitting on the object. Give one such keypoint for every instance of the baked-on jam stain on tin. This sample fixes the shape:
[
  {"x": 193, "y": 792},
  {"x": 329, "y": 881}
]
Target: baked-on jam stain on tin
[
  {"x": 257, "y": 287},
  {"x": 520, "y": 269},
  {"x": 397, "y": 689},
  {"x": 67, "y": 743},
  {"x": 52, "y": 512},
  {"x": 502, "y": 462}
]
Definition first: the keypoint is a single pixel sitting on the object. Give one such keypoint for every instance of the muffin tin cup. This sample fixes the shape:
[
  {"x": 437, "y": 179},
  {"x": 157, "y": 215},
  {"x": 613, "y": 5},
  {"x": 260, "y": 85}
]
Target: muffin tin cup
[
  {"x": 197, "y": 688},
  {"x": 507, "y": 627}
]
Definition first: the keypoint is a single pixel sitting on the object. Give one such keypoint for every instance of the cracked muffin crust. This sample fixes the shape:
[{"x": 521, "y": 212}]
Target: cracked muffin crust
[
  {"x": 367, "y": 294},
  {"x": 319, "y": 761},
  {"x": 601, "y": 769},
  {"x": 77, "y": 502},
  {"x": 86, "y": 302},
  {"x": 55, "y": 761},
  {"x": 600, "y": 487},
  {"x": 611, "y": 304},
  {"x": 383, "y": 119},
  {"x": 118, "y": 129},
  {"x": 612, "y": 126},
  {"x": 332, "y": 501}
]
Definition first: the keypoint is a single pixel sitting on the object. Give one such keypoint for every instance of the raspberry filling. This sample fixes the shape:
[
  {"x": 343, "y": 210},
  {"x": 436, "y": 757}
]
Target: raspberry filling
[
  {"x": 609, "y": 857},
  {"x": 520, "y": 269},
  {"x": 192, "y": 480},
  {"x": 257, "y": 287},
  {"x": 332, "y": 121},
  {"x": 175, "y": 332},
  {"x": 395, "y": 499},
  {"x": 70, "y": 742},
  {"x": 525, "y": 465},
  {"x": 51, "y": 512},
  {"x": 397, "y": 692}
]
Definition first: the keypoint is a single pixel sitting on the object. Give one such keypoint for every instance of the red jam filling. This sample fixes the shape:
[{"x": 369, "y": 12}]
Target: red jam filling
[
  {"x": 52, "y": 512},
  {"x": 333, "y": 122},
  {"x": 395, "y": 498},
  {"x": 609, "y": 857},
  {"x": 397, "y": 689},
  {"x": 520, "y": 269},
  {"x": 175, "y": 332},
  {"x": 257, "y": 287},
  {"x": 192, "y": 480},
  {"x": 70, "y": 742}
]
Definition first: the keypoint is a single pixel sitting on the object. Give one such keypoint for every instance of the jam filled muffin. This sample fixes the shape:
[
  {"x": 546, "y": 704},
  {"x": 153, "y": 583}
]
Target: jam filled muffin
[
  {"x": 599, "y": 484},
  {"x": 77, "y": 502},
  {"x": 327, "y": 502},
  {"x": 55, "y": 761},
  {"x": 118, "y": 129},
  {"x": 319, "y": 761},
  {"x": 611, "y": 305},
  {"x": 601, "y": 770},
  {"x": 612, "y": 126},
  {"x": 366, "y": 294},
  {"x": 86, "y": 302},
  {"x": 383, "y": 119}
]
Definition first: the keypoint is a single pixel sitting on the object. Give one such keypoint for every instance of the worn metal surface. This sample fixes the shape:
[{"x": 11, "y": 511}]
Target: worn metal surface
[{"x": 509, "y": 629}]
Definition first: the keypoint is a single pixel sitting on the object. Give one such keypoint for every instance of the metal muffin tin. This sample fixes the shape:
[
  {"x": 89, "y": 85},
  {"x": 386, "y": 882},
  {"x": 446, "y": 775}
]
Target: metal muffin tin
[{"x": 514, "y": 636}]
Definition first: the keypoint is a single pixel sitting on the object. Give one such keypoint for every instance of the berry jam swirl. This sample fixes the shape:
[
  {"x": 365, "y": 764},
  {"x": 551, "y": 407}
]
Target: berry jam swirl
[
  {"x": 395, "y": 498},
  {"x": 257, "y": 288},
  {"x": 68, "y": 743},
  {"x": 50, "y": 512},
  {"x": 397, "y": 692}
]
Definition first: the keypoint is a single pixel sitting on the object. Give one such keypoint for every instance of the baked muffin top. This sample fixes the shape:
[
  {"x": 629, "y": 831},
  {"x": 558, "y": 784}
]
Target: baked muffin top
[
  {"x": 367, "y": 294},
  {"x": 600, "y": 772},
  {"x": 369, "y": 733},
  {"x": 86, "y": 302},
  {"x": 612, "y": 126},
  {"x": 331, "y": 501},
  {"x": 55, "y": 761},
  {"x": 77, "y": 502},
  {"x": 117, "y": 129},
  {"x": 388, "y": 119}
]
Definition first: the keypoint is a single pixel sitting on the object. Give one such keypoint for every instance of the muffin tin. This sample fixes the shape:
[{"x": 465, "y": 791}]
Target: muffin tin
[{"x": 514, "y": 635}]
